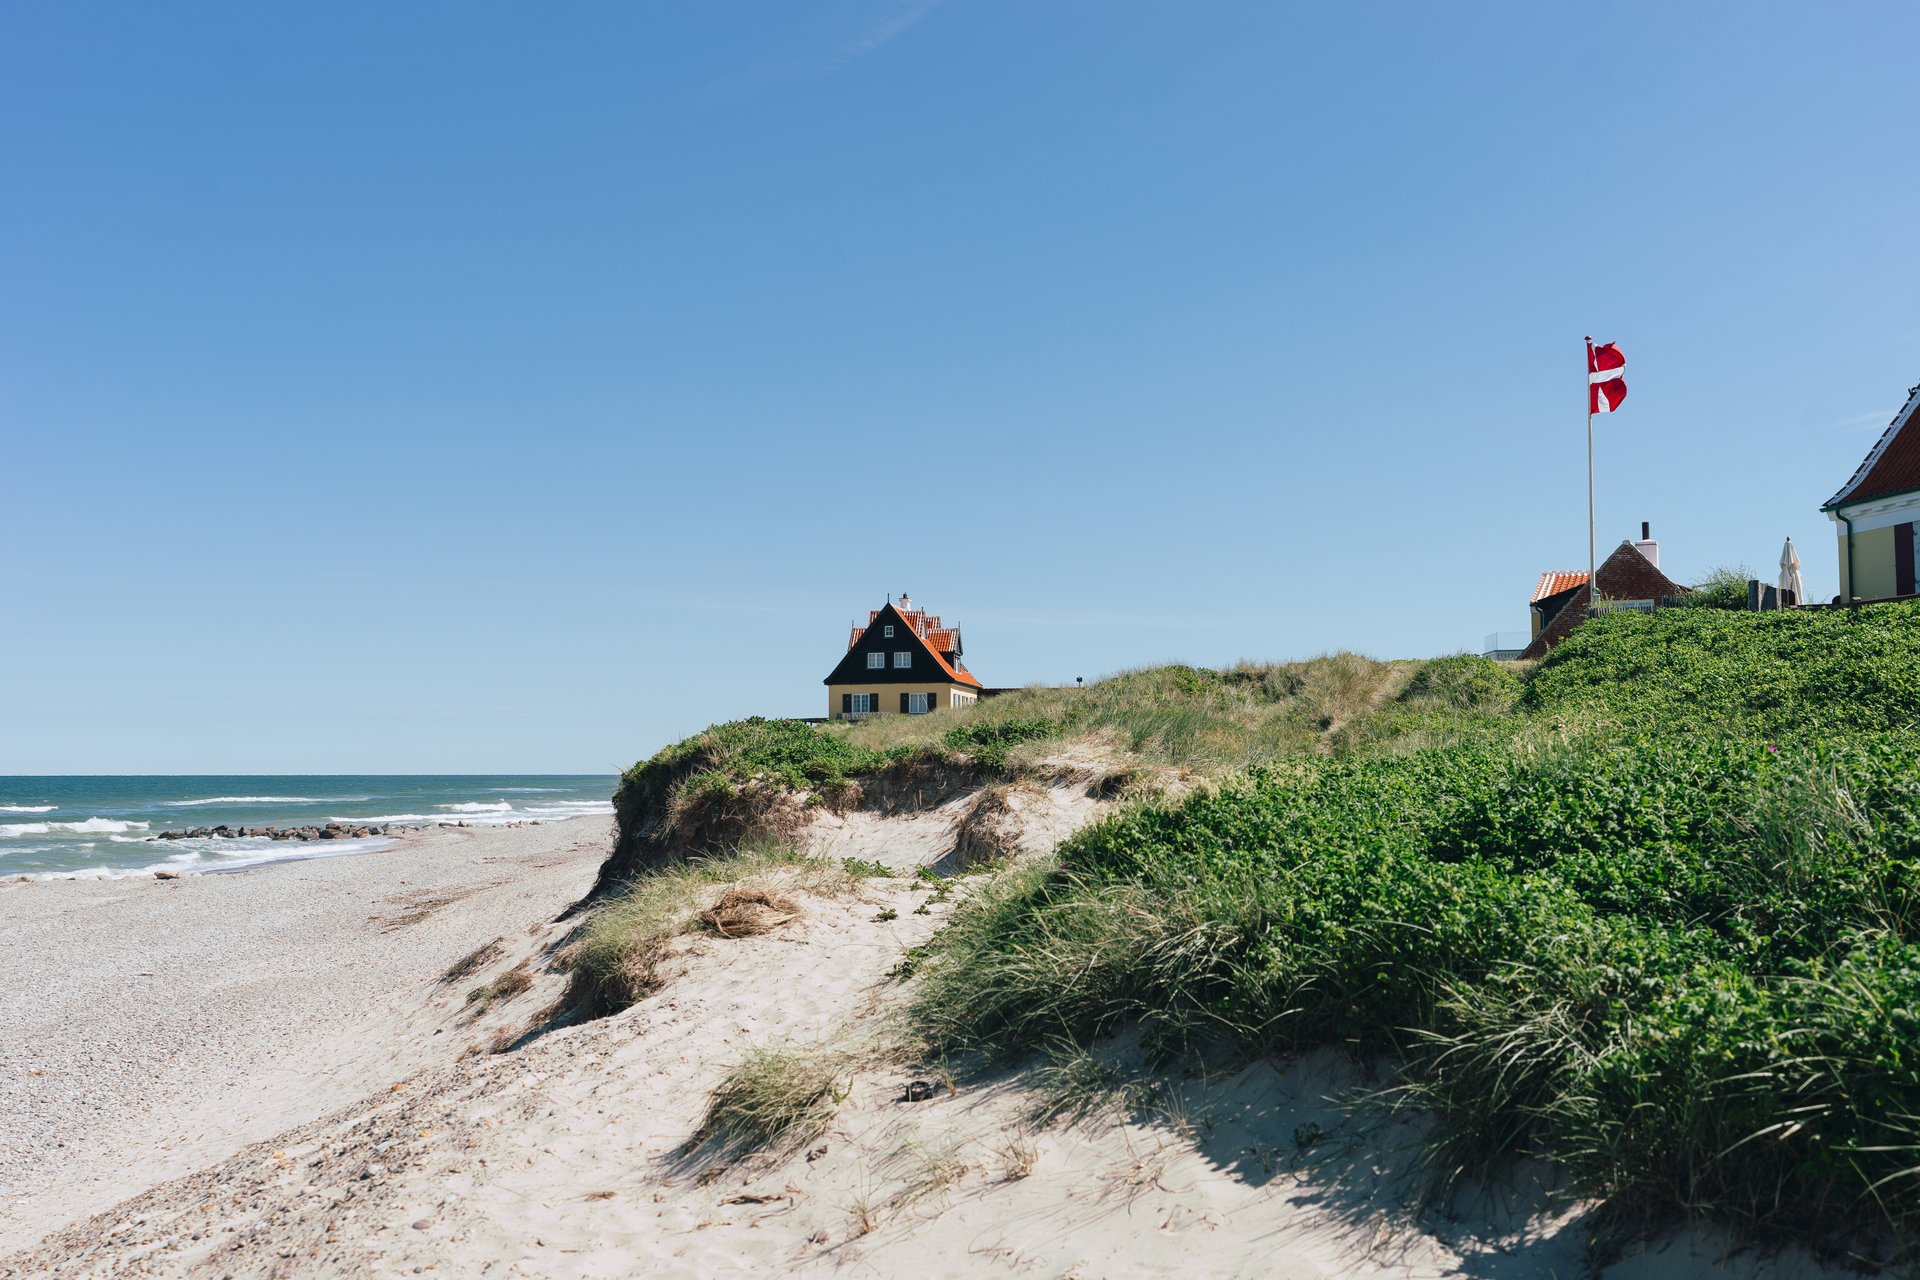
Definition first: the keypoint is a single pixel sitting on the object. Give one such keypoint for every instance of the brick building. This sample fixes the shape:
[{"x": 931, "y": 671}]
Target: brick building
[{"x": 1630, "y": 578}]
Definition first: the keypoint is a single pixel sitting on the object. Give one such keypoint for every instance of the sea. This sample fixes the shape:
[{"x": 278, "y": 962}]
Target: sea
[{"x": 108, "y": 827}]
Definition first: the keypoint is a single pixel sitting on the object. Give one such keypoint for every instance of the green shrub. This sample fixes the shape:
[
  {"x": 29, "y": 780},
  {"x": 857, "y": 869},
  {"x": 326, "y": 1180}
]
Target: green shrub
[
  {"x": 989, "y": 740},
  {"x": 1661, "y": 961},
  {"x": 1794, "y": 676},
  {"x": 1724, "y": 588}
]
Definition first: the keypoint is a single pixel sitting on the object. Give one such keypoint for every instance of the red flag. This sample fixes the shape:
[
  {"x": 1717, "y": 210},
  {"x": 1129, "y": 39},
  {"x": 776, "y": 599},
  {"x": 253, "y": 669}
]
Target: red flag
[{"x": 1606, "y": 377}]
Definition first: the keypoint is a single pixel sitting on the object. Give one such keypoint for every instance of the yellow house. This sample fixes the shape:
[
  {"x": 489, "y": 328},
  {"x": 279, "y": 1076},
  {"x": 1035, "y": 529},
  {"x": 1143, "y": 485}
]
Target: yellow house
[
  {"x": 903, "y": 662},
  {"x": 1877, "y": 514}
]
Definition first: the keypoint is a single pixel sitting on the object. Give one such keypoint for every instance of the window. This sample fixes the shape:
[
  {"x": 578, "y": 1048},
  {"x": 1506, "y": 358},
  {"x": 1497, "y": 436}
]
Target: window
[
  {"x": 862, "y": 703},
  {"x": 887, "y": 632},
  {"x": 875, "y": 661},
  {"x": 903, "y": 658},
  {"x": 917, "y": 703}
]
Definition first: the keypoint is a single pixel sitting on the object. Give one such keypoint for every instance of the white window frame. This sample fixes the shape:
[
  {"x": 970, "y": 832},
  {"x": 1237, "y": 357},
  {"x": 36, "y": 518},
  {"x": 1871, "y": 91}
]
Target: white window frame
[
  {"x": 902, "y": 659},
  {"x": 876, "y": 661},
  {"x": 918, "y": 704},
  {"x": 887, "y": 631},
  {"x": 864, "y": 704}
]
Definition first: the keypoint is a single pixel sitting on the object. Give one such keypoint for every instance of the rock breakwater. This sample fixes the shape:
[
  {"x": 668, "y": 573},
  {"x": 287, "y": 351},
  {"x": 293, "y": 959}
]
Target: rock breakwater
[{"x": 332, "y": 831}]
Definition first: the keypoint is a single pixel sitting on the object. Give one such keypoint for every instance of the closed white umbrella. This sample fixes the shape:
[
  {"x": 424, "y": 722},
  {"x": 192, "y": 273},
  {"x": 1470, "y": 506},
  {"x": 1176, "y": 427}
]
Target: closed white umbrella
[{"x": 1790, "y": 573}]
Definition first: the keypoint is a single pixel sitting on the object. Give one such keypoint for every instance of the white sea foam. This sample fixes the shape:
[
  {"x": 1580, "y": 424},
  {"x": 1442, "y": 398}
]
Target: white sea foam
[
  {"x": 502, "y": 807},
  {"x": 194, "y": 804},
  {"x": 252, "y": 853},
  {"x": 28, "y": 808},
  {"x": 92, "y": 826}
]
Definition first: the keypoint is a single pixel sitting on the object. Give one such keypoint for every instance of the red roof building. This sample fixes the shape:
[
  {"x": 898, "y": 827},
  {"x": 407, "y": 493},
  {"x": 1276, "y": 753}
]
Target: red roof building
[
  {"x": 1630, "y": 578},
  {"x": 1877, "y": 512},
  {"x": 903, "y": 661}
]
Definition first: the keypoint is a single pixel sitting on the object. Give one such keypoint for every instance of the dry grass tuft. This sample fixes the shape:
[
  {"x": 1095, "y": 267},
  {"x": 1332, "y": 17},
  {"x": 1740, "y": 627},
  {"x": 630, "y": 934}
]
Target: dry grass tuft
[
  {"x": 775, "y": 1099},
  {"x": 745, "y": 910},
  {"x": 1018, "y": 1157},
  {"x": 474, "y": 961},
  {"x": 615, "y": 957},
  {"x": 505, "y": 987}
]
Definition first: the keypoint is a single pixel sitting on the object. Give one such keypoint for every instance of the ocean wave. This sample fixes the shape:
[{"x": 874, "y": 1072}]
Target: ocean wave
[
  {"x": 28, "y": 808},
  {"x": 195, "y": 804},
  {"x": 197, "y": 862},
  {"x": 92, "y": 826},
  {"x": 580, "y": 809},
  {"x": 502, "y": 807},
  {"x": 130, "y": 839}
]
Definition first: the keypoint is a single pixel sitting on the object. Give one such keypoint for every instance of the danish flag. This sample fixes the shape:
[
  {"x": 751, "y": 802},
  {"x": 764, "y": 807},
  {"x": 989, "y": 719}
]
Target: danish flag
[{"x": 1606, "y": 377}]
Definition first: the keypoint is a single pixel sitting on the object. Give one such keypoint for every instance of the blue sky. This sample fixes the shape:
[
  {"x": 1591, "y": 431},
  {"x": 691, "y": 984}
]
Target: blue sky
[{"x": 475, "y": 386}]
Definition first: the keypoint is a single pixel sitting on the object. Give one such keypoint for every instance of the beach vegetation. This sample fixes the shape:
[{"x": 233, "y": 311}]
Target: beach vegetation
[
  {"x": 1651, "y": 911},
  {"x": 1723, "y": 588},
  {"x": 614, "y": 958},
  {"x": 505, "y": 987},
  {"x": 763, "y": 780},
  {"x": 775, "y": 1099},
  {"x": 474, "y": 961}
]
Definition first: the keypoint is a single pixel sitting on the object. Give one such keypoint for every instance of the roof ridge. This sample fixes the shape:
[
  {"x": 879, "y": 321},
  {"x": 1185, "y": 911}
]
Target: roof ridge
[{"x": 1900, "y": 420}]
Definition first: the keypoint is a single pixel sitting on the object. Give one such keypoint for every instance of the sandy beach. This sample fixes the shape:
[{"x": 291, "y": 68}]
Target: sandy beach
[{"x": 149, "y": 1027}]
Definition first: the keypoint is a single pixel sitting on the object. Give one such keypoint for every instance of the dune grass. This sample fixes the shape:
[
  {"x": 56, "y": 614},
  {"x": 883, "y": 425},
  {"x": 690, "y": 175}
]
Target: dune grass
[
  {"x": 1672, "y": 942},
  {"x": 614, "y": 958},
  {"x": 758, "y": 780},
  {"x": 1189, "y": 717},
  {"x": 775, "y": 1099}
]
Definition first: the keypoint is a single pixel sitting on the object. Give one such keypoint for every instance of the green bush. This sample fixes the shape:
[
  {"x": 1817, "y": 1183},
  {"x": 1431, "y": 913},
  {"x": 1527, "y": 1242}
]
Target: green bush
[
  {"x": 1724, "y": 588},
  {"x": 1682, "y": 966},
  {"x": 989, "y": 740},
  {"x": 1795, "y": 676},
  {"x": 789, "y": 753}
]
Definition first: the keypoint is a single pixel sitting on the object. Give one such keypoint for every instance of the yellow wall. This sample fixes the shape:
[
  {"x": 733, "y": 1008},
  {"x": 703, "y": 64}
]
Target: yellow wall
[
  {"x": 1872, "y": 561},
  {"x": 888, "y": 695}
]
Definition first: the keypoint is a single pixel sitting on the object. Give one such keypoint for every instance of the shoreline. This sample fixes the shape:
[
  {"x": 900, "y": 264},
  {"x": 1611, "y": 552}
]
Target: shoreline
[
  {"x": 155, "y": 1026},
  {"x": 304, "y": 850}
]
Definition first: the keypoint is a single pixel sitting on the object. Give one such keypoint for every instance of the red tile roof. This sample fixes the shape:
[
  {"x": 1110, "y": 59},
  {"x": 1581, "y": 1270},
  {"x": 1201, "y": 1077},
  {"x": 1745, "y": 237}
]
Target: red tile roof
[
  {"x": 940, "y": 640},
  {"x": 1894, "y": 464},
  {"x": 1554, "y": 581}
]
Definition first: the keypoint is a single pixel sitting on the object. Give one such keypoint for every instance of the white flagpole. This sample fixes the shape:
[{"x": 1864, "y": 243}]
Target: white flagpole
[{"x": 1593, "y": 585}]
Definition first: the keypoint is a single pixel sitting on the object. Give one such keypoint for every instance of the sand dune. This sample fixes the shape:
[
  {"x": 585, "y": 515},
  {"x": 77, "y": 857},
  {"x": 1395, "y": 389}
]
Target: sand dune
[{"x": 385, "y": 1138}]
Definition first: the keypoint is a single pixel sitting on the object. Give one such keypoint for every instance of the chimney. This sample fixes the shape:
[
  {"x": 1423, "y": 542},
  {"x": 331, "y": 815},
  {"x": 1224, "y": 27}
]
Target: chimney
[
  {"x": 906, "y": 602},
  {"x": 1647, "y": 546}
]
